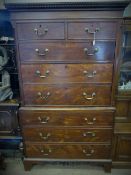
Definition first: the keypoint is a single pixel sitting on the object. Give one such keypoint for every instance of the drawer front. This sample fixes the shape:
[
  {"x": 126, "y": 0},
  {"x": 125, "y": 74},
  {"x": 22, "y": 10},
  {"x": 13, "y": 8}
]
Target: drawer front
[
  {"x": 67, "y": 135},
  {"x": 82, "y": 52},
  {"x": 66, "y": 118},
  {"x": 40, "y": 30},
  {"x": 87, "y": 30},
  {"x": 66, "y": 94},
  {"x": 65, "y": 73},
  {"x": 68, "y": 151}
]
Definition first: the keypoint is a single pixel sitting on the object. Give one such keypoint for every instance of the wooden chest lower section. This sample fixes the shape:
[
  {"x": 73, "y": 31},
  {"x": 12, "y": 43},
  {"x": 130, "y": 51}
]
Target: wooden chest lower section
[
  {"x": 67, "y": 133},
  {"x": 73, "y": 151}
]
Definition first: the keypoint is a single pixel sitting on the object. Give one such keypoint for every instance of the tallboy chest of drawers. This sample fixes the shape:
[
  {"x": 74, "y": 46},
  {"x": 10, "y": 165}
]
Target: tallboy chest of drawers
[{"x": 67, "y": 63}]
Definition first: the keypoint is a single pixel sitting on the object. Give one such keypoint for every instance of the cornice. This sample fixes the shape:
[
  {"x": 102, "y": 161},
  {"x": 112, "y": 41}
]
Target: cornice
[{"x": 61, "y": 6}]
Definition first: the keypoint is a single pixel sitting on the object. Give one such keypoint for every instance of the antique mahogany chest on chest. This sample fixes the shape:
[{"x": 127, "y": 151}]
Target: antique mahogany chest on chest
[{"x": 67, "y": 63}]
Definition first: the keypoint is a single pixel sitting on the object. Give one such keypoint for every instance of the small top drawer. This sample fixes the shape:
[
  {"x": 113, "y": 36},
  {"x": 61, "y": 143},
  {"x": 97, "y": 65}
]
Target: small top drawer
[
  {"x": 41, "y": 30},
  {"x": 89, "y": 30}
]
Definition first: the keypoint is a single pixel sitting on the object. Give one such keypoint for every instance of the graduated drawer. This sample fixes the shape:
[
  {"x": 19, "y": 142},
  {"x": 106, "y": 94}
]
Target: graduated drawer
[
  {"x": 40, "y": 30},
  {"x": 65, "y": 73},
  {"x": 51, "y": 117},
  {"x": 91, "y": 30},
  {"x": 52, "y": 134},
  {"x": 67, "y": 94},
  {"x": 72, "y": 51},
  {"x": 71, "y": 151}
]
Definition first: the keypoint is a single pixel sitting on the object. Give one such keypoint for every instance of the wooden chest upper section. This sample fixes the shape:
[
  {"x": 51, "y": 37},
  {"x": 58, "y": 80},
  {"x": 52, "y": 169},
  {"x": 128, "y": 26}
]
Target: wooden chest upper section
[{"x": 67, "y": 58}]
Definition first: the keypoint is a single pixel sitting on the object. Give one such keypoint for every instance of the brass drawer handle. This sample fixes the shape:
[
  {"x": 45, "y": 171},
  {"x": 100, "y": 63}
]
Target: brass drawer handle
[
  {"x": 40, "y": 33},
  {"x": 41, "y": 54},
  {"x": 93, "y": 53},
  {"x": 44, "y": 97},
  {"x": 89, "y": 98},
  {"x": 90, "y": 122},
  {"x": 44, "y": 120},
  {"x": 89, "y": 133},
  {"x": 89, "y": 75},
  {"x": 38, "y": 73},
  {"x": 44, "y": 137},
  {"x": 88, "y": 153},
  {"x": 92, "y": 32},
  {"x": 45, "y": 152}
]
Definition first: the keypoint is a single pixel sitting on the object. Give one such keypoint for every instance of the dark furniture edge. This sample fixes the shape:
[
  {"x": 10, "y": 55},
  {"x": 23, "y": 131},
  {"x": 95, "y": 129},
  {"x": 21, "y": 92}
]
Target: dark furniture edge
[{"x": 68, "y": 6}]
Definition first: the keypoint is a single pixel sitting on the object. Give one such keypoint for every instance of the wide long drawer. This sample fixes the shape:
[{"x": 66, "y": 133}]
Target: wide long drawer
[
  {"x": 66, "y": 73},
  {"x": 72, "y": 151},
  {"x": 67, "y": 94},
  {"x": 62, "y": 117},
  {"x": 67, "y": 52},
  {"x": 40, "y": 30},
  {"x": 40, "y": 134},
  {"x": 89, "y": 30}
]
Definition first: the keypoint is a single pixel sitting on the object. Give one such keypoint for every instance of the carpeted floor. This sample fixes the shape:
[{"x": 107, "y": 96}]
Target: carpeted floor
[{"x": 15, "y": 167}]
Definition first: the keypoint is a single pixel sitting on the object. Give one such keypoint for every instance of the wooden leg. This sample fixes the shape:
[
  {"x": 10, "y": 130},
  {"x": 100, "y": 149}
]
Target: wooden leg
[
  {"x": 27, "y": 165},
  {"x": 107, "y": 167}
]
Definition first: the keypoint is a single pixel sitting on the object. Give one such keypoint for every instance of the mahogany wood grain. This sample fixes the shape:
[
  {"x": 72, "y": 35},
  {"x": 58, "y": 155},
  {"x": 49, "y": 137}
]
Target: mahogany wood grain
[
  {"x": 71, "y": 151},
  {"x": 67, "y": 94},
  {"x": 67, "y": 51},
  {"x": 66, "y": 73},
  {"x": 52, "y": 134},
  {"x": 63, "y": 117},
  {"x": 54, "y": 30},
  {"x": 106, "y": 30}
]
